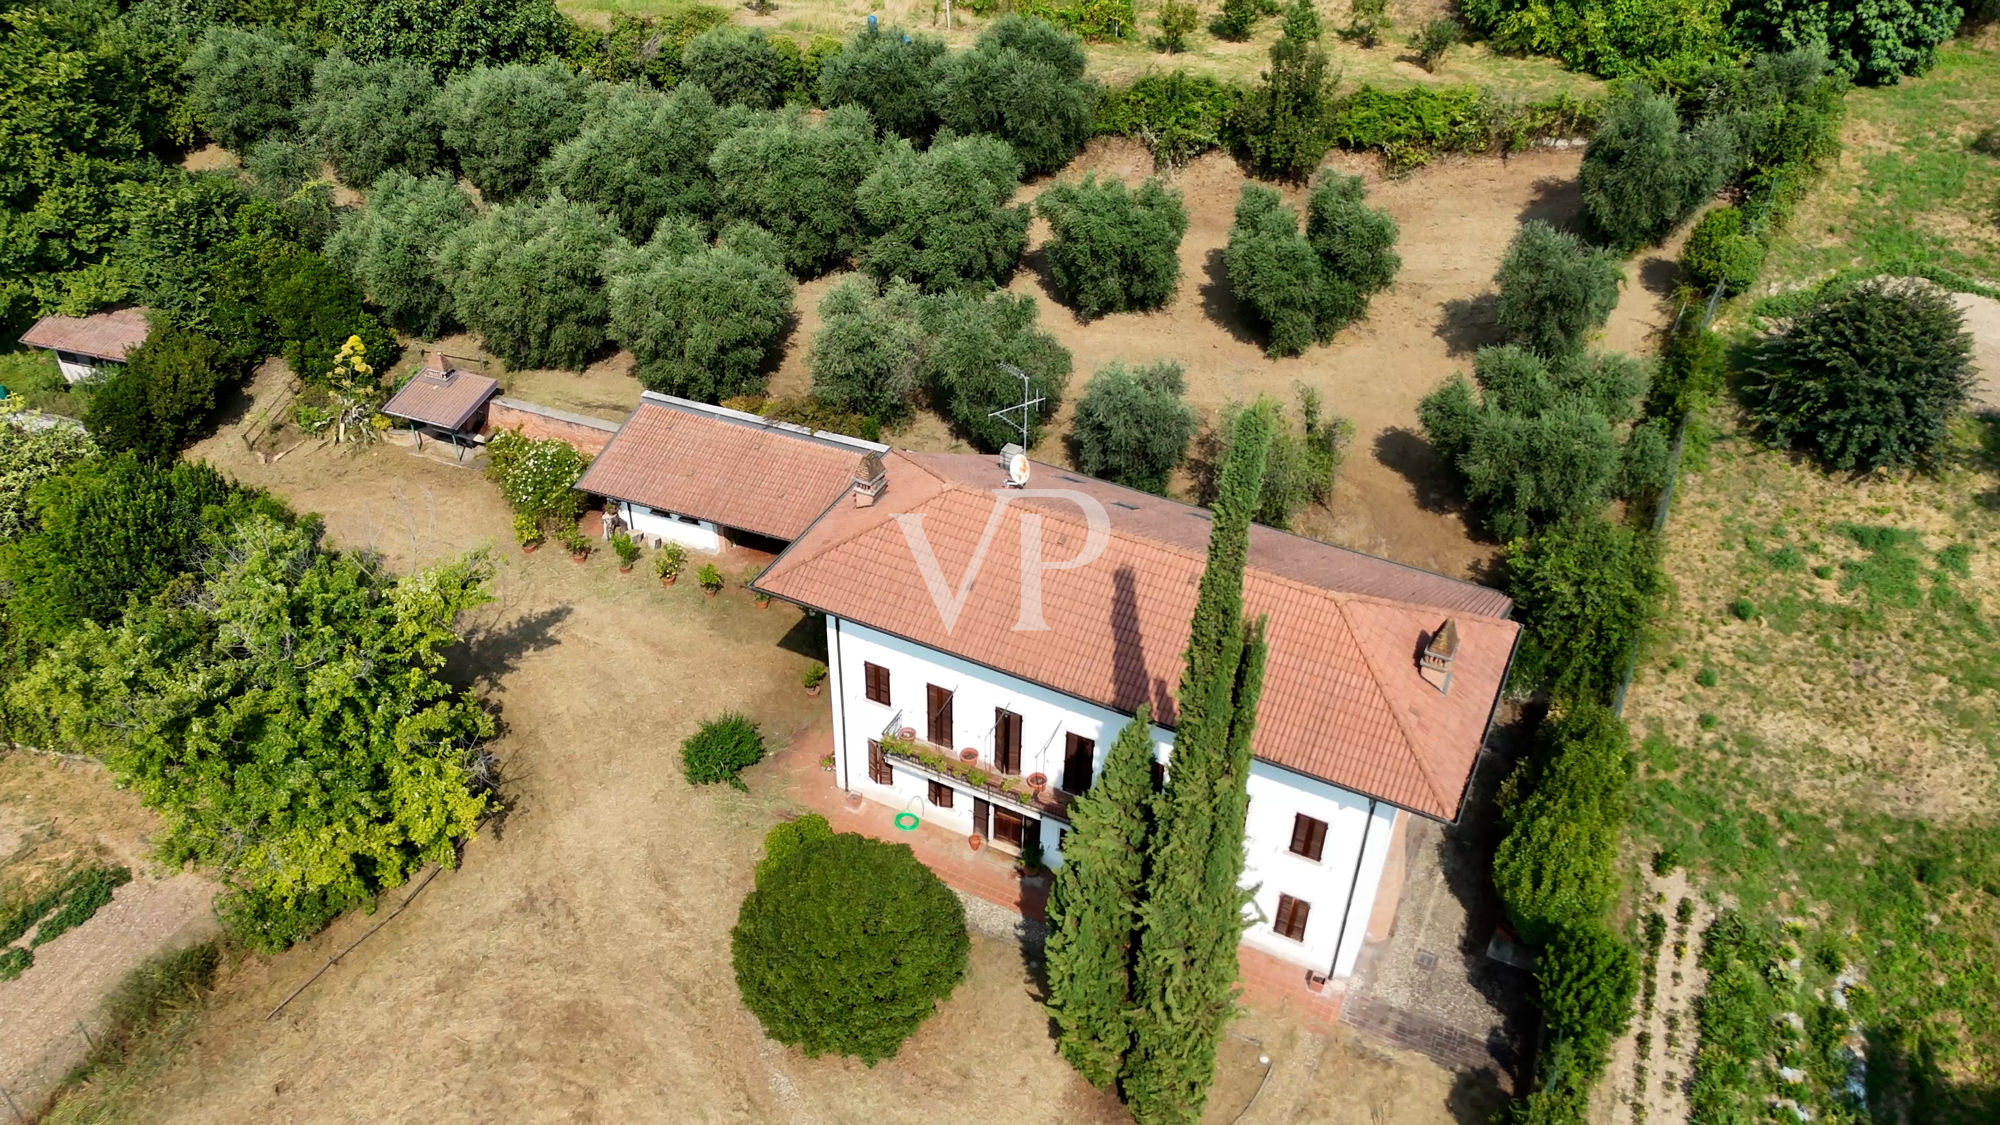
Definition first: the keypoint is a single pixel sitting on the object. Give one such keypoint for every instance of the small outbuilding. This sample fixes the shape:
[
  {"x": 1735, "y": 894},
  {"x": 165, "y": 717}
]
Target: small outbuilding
[
  {"x": 445, "y": 402},
  {"x": 85, "y": 343}
]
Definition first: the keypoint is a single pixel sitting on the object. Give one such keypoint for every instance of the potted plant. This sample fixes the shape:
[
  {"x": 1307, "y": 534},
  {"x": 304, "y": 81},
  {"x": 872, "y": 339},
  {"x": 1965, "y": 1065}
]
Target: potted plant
[
  {"x": 751, "y": 575},
  {"x": 1030, "y": 862},
  {"x": 907, "y": 734},
  {"x": 968, "y": 754},
  {"x": 1038, "y": 782},
  {"x": 710, "y": 579},
  {"x": 826, "y": 762},
  {"x": 527, "y": 532},
  {"x": 578, "y": 544},
  {"x": 628, "y": 551},
  {"x": 813, "y": 677},
  {"x": 975, "y": 841},
  {"x": 671, "y": 559},
  {"x": 976, "y": 778}
]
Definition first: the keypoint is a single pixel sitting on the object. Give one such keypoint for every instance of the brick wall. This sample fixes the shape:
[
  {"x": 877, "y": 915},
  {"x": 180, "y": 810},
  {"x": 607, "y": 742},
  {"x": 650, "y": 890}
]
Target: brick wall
[{"x": 589, "y": 435}]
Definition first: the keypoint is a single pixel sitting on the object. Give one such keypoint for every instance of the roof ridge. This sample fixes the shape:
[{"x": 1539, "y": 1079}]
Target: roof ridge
[{"x": 1395, "y": 713}]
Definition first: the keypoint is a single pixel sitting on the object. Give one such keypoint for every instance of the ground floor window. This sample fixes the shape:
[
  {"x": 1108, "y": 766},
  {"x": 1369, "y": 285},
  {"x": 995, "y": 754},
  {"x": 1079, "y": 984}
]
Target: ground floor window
[
  {"x": 1291, "y": 919},
  {"x": 940, "y": 795},
  {"x": 878, "y": 764}
]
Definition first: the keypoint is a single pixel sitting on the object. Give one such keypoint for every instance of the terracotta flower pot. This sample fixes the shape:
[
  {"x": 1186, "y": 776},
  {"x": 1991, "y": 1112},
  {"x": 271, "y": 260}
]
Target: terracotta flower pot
[
  {"x": 711, "y": 593},
  {"x": 668, "y": 579},
  {"x": 530, "y": 548},
  {"x": 625, "y": 569},
  {"x": 813, "y": 690},
  {"x": 908, "y": 733},
  {"x": 968, "y": 755},
  {"x": 580, "y": 557},
  {"x": 975, "y": 841},
  {"x": 1038, "y": 782},
  {"x": 763, "y": 603},
  {"x": 1316, "y": 982}
]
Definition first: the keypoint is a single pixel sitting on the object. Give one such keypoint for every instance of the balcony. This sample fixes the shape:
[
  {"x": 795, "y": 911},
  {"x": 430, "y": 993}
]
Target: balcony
[{"x": 980, "y": 777}]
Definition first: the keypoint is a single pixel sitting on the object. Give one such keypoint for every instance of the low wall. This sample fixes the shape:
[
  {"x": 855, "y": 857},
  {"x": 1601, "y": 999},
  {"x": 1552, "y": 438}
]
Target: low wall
[{"x": 589, "y": 435}]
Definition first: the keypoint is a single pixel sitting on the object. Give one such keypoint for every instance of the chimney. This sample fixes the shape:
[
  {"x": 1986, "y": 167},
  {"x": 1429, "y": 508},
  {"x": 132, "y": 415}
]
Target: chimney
[
  {"x": 869, "y": 480},
  {"x": 1434, "y": 663},
  {"x": 437, "y": 367}
]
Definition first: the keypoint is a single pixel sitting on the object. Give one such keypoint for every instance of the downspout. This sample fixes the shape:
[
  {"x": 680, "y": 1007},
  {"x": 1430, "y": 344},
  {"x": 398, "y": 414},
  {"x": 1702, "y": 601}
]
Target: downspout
[
  {"x": 1347, "y": 909},
  {"x": 839, "y": 710}
]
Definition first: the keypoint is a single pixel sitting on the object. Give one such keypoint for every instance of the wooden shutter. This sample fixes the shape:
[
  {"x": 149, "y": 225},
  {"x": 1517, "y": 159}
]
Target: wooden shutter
[
  {"x": 940, "y": 794},
  {"x": 982, "y": 817},
  {"x": 1006, "y": 740},
  {"x": 877, "y": 678},
  {"x": 878, "y": 764},
  {"x": 1291, "y": 919},
  {"x": 1077, "y": 755},
  {"x": 1308, "y": 836},
  {"x": 937, "y": 726}
]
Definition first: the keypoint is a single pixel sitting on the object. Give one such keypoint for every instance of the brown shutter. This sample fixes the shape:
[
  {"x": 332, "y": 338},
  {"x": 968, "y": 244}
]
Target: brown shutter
[
  {"x": 982, "y": 816},
  {"x": 1006, "y": 740},
  {"x": 877, "y": 678},
  {"x": 878, "y": 764},
  {"x": 1077, "y": 755},
  {"x": 938, "y": 726},
  {"x": 1291, "y": 919},
  {"x": 1308, "y": 836},
  {"x": 940, "y": 794}
]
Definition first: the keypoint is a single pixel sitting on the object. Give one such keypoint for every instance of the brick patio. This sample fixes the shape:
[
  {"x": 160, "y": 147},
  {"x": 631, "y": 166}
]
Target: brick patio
[{"x": 1268, "y": 983}]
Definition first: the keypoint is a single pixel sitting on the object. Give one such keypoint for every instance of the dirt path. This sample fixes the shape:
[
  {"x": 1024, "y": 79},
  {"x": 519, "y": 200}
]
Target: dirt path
[
  {"x": 1652, "y": 1065},
  {"x": 1982, "y": 319}
]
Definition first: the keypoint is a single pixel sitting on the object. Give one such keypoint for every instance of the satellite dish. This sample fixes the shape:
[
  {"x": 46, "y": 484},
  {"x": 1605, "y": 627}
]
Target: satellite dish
[{"x": 1017, "y": 470}]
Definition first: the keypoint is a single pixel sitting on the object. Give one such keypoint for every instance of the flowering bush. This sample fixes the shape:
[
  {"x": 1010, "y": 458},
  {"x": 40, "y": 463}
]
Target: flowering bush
[{"x": 536, "y": 477}]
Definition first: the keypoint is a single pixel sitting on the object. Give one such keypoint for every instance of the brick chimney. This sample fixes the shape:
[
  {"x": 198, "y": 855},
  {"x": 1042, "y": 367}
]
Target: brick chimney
[
  {"x": 1434, "y": 663},
  {"x": 869, "y": 480}
]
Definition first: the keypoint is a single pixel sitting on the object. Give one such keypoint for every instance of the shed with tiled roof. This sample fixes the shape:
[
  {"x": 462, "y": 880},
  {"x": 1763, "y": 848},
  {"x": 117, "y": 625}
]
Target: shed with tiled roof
[{"x": 84, "y": 343}]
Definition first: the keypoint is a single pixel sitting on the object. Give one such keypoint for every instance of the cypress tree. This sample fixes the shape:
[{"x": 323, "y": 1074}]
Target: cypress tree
[
  {"x": 1093, "y": 906},
  {"x": 1192, "y": 910}
]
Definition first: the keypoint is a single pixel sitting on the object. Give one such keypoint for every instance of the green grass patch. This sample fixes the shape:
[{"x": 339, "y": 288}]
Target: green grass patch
[{"x": 147, "y": 1021}]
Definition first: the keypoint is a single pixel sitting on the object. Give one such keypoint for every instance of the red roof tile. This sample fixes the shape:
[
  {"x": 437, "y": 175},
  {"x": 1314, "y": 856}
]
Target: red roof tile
[
  {"x": 730, "y": 468},
  {"x": 442, "y": 395},
  {"x": 106, "y": 335},
  {"x": 1343, "y": 699}
]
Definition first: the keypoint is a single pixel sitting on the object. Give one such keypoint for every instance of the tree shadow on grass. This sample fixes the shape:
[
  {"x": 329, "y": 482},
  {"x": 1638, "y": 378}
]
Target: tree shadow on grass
[
  {"x": 489, "y": 650},
  {"x": 1470, "y": 323},
  {"x": 1557, "y": 201},
  {"x": 1409, "y": 455},
  {"x": 1218, "y": 303},
  {"x": 1660, "y": 276}
]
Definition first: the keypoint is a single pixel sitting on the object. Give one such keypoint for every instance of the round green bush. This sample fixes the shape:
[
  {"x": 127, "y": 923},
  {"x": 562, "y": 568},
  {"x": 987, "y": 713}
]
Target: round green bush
[
  {"x": 1588, "y": 978},
  {"x": 847, "y": 945},
  {"x": 721, "y": 749},
  {"x": 1719, "y": 251}
]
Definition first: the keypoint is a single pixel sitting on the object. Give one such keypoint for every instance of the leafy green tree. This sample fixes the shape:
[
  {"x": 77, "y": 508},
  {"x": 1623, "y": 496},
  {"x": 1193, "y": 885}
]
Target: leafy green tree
[
  {"x": 163, "y": 397},
  {"x": 1557, "y": 866},
  {"x": 1094, "y": 907},
  {"x": 647, "y": 47},
  {"x": 970, "y": 337},
  {"x": 288, "y": 722},
  {"x": 1554, "y": 289},
  {"x": 868, "y": 356},
  {"x": 1023, "y": 81},
  {"x": 389, "y": 246},
  {"x": 1874, "y": 44},
  {"x": 451, "y": 36},
  {"x": 371, "y": 118},
  {"x": 703, "y": 321},
  {"x": 739, "y": 66},
  {"x": 1284, "y": 123},
  {"x": 197, "y": 248},
  {"x": 847, "y": 945},
  {"x": 1720, "y": 252},
  {"x": 798, "y": 181},
  {"x": 69, "y": 94},
  {"x": 314, "y": 307},
  {"x": 1356, "y": 245},
  {"x": 1178, "y": 19},
  {"x": 1585, "y": 589},
  {"x": 1192, "y": 907},
  {"x": 1302, "y": 461},
  {"x": 1587, "y": 980},
  {"x": 1274, "y": 272},
  {"x": 528, "y": 279},
  {"x": 29, "y": 456},
  {"x": 501, "y": 123},
  {"x": 246, "y": 84},
  {"x": 1132, "y": 426},
  {"x": 1641, "y": 174},
  {"x": 643, "y": 156},
  {"x": 942, "y": 219},
  {"x": 1113, "y": 250},
  {"x": 1237, "y": 19},
  {"x": 1869, "y": 376},
  {"x": 890, "y": 74}
]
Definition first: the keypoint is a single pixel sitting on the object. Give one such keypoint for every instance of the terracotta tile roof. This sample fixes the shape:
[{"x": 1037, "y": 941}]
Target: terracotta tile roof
[
  {"x": 725, "y": 466},
  {"x": 106, "y": 335},
  {"x": 1343, "y": 699},
  {"x": 442, "y": 395}
]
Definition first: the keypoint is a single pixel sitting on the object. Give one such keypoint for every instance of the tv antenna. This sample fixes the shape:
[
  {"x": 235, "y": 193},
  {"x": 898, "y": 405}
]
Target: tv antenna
[{"x": 1026, "y": 407}]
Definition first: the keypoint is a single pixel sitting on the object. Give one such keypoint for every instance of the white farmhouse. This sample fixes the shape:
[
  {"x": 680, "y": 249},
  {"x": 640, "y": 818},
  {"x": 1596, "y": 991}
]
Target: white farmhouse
[{"x": 1380, "y": 686}]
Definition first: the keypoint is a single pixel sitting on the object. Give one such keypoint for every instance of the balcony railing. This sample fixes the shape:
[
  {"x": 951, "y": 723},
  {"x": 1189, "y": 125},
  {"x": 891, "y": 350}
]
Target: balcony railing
[{"x": 980, "y": 776}]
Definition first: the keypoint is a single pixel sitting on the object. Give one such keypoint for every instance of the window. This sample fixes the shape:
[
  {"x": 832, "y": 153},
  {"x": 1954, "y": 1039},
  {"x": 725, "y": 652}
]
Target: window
[
  {"x": 940, "y": 795},
  {"x": 876, "y": 679},
  {"x": 1308, "y": 836},
  {"x": 937, "y": 709},
  {"x": 1159, "y": 776},
  {"x": 1077, "y": 755},
  {"x": 878, "y": 765},
  {"x": 1006, "y": 741},
  {"x": 1291, "y": 919}
]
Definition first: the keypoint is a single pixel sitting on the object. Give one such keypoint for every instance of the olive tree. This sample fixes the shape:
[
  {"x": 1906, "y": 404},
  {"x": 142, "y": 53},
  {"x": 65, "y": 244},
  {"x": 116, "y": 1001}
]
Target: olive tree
[
  {"x": 798, "y": 181},
  {"x": 1555, "y": 290},
  {"x": 370, "y": 118},
  {"x": 527, "y": 277},
  {"x": 642, "y": 156},
  {"x": 1274, "y": 273},
  {"x": 890, "y": 74},
  {"x": 1641, "y": 174},
  {"x": 1110, "y": 249},
  {"x": 390, "y": 246},
  {"x": 739, "y": 66},
  {"x": 1132, "y": 425},
  {"x": 942, "y": 219},
  {"x": 1356, "y": 245},
  {"x": 1023, "y": 81},
  {"x": 970, "y": 337},
  {"x": 702, "y": 320},
  {"x": 867, "y": 357},
  {"x": 245, "y": 85},
  {"x": 501, "y": 122}
]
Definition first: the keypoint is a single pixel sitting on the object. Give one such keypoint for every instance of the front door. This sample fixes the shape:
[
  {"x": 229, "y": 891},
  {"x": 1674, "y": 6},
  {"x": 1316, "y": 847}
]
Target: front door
[
  {"x": 1008, "y": 827},
  {"x": 982, "y": 816},
  {"x": 937, "y": 727},
  {"x": 1006, "y": 741}
]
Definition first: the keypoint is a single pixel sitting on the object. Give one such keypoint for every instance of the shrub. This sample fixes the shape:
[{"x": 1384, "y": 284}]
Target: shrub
[
  {"x": 943, "y": 220},
  {"x": 1642, "y": 175},
  {"x": 626, "y": 550},
  {"x": 1178, "y": 19},
  {"x": 371, "y": 118},
  {"x": 451, "y": 36},
  {"x": 740, "y": 66},
  {"x": 245, "y": 85},
  {"x": 798, "y": 181},
  {"x": 1408, "y": 126},
  {"x": 85, "y": 897},
  {"x": 1095, "y": 21},
  {"x": 703, "y": 321},
  {"x": 502, "y": 122},
  {"x": 1238, "y": 18},
  {"x": 970, "y": 338},
  {"x": 892, "y": 75},
  {"x": 723, "y": 748},
  {"x": 1879, "y": 47},
  {"x": 1557, "y": 866},
  {"x": 537, "y": 477},
  {"x": 1113, "y": 250},
  {"x": 1284, "y": 124},
  {"x": 847, "y": 945},
  {"x": 314, "y": 307},
  {"x": 27, "y": 458},
  {"x": 1719, "y": 252},
  {"x": 1588, "y": 978},
  {"x": 1367, "y": 21},
  {"x": 1585, "y": 589},
  {"x": 1434, "y": 40},
  {"x": 709, "y": 578},
  {"x": 388, "y": 246},
  {"x": 1023, "y": 81},
  {"x": 1868, "y": 377},
  {"x": 1554, "y": 289},
  {"x": 162, "y": 398},
  {"x": 528, "y": 278},
  {"x": 642, "y": 156},
  {"x": 790, "y": 837},
  {"x": 1132, "y": 426},
  {"x": 1301, "y": 462},
  {"x": 867, "y": 357},
  {"x": 1302, "y": 290},
  {"x": 1356, "y": 247},
  {"x": 1673, "y": 40},
  {"x": 1177, "y": 115},
  {"x": 645, "y": 47}
]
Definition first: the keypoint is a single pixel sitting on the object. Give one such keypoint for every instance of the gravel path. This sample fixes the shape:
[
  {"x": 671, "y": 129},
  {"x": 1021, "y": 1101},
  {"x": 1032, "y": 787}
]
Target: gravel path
[
  {"x": 1982, "y": 319},
  {"x": 44, "y": 1011}
]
